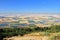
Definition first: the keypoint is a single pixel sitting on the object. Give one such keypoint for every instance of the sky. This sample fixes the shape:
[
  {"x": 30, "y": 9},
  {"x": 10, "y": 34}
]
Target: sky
[{"x": 29, "y": 6}]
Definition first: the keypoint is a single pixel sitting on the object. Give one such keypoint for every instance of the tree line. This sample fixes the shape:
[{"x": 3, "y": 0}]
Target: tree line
[{"x": 9, "y": 32}]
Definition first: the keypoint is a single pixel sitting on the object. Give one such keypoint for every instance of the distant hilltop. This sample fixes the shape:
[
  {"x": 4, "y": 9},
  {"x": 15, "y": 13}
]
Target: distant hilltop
[{"x": 17, "y": 15}]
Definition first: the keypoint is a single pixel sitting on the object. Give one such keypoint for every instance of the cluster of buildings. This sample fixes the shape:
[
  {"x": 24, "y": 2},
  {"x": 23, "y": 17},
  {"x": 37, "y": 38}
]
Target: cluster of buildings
[{"x": 25, "y": 21}]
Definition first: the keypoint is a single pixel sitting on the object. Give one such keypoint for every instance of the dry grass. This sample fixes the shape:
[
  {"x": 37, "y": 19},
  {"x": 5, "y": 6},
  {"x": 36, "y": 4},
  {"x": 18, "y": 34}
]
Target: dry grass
[{"x": 32, "y": 36}]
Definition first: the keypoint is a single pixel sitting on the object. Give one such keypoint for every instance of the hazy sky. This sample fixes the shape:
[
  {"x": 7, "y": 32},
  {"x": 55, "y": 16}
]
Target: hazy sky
[{"x": 35, "y": 6}]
